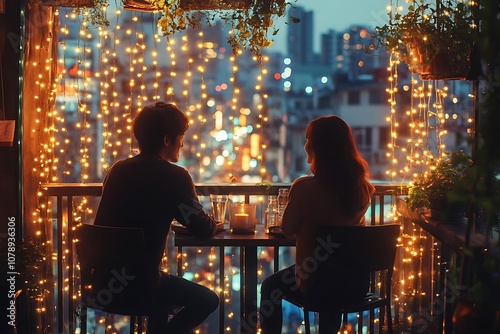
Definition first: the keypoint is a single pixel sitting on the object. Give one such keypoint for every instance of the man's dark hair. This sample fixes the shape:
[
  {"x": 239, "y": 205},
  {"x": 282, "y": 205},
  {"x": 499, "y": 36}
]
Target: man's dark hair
[{"x": 155, "y": 122}]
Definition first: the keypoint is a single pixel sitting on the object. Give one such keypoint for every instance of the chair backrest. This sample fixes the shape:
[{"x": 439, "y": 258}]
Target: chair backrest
[
  {"x": 355, "y": 253},
  {"x": 110, "y": 265}
]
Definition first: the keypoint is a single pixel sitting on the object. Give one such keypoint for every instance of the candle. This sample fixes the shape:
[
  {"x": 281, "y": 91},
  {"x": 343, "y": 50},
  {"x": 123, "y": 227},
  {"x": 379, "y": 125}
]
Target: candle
[
  {"x": 240, "y": 221},
  {"x": 242, "y": 218}
]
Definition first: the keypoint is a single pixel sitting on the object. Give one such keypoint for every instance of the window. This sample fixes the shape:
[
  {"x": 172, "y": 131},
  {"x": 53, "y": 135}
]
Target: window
[
  {"x": 353, "y": 98},
  {"x": 363, "y": 138},
  {"x": 377, "y": 96},
  {"x": 384, "y": 137}
]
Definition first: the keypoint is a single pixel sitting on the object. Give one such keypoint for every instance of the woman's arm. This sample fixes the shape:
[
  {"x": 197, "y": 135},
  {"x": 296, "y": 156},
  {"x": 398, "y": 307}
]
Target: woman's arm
[{"x": 294, "y": 210}]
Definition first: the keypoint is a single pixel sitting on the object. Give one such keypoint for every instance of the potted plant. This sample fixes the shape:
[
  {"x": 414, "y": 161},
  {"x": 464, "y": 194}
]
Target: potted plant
[
  {"x": 433, "y": 38},
  {"x": 433, "y": 188},
  {"x": 22, "y": 288}
]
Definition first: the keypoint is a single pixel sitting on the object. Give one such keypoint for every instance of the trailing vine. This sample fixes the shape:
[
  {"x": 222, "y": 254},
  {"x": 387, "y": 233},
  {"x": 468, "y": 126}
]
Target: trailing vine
[
  {"x": 251, "y": 28},
  {"x": 251, "y": 22}
]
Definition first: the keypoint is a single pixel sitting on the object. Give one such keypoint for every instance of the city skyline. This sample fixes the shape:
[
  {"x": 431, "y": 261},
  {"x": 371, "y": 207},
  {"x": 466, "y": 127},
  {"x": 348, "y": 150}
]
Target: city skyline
[{"x": 338, "y": 16}]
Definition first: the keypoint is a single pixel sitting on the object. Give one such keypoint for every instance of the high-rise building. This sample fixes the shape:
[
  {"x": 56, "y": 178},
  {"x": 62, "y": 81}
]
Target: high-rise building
[
  {"x": 331, "y": 49},
  {"x": 300, "y": 37},
  {"x": 344, "y": 51}
]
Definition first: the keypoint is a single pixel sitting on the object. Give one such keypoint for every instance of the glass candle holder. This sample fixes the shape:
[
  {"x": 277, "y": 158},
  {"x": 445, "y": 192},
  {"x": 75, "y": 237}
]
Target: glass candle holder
[{"x": 243, "y": 218}]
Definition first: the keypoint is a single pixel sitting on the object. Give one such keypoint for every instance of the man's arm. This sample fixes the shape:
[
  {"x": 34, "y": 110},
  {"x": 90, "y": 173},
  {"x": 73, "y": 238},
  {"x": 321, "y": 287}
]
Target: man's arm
[{"x": 190, "y": 212}]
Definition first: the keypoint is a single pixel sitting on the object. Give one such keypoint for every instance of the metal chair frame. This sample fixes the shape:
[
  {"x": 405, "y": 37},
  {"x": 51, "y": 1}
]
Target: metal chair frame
[
  {"x": 103, "y": 249},
  {"x": 362, "y": 250}
]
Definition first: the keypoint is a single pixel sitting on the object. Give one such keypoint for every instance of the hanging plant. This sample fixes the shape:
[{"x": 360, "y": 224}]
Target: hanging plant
[
  {"x": 214, "y": 4},
  {"x": 250, "y": 20},
  {"x": 432, "y": 188},
  {"x": 433, "y": 38}
]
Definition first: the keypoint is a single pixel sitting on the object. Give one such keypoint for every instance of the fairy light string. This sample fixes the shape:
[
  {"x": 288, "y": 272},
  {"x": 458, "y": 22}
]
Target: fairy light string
[
  {"x": 147, "y": 81},
  {"x": 257, "y": 142}
]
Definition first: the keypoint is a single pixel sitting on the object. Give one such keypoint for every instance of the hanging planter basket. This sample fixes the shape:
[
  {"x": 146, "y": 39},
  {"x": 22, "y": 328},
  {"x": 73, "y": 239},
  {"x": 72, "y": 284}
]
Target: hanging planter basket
[
  {"x": 138, "y": 5},
  {"x": 67, "y": 3},
  {"x": 189, "y": 5},
  {"x": 434, "y": 38},
  {"x": 214, "y": 4},
  {"x": 452, "y": 65}
]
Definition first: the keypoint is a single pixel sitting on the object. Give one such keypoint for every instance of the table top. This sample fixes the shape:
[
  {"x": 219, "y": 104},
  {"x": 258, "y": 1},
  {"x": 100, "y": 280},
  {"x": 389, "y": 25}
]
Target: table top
[{"x": 226, "y": 238}]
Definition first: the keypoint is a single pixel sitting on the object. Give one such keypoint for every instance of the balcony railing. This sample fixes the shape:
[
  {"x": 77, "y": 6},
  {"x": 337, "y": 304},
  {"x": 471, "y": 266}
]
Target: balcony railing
[{"x": 422, "y": 296}]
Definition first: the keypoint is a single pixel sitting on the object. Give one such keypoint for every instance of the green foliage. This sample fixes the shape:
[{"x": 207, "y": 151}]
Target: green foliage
[
  {"x": 486, "y": 180},
  {"x": 29, "y": 260},
  {"x": 440, "y": 180},
  {"x": 250, "y": 26},
  {"x": 427, "y": 31},
  {"x": 97, "y": 13},
  {"x": 265, "y": 184}
]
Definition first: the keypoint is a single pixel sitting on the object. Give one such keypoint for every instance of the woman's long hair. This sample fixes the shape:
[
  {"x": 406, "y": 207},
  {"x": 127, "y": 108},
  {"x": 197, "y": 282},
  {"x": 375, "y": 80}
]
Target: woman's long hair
[{"x": 337, "y": 163}]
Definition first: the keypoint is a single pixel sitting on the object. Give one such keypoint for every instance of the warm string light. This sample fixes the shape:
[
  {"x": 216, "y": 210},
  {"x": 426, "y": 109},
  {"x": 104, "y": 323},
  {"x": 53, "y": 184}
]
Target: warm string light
[
  {"x": 392, "y": 119},
  {"x": 187, "y": 74},
  {"x": 202, "y": 105},
  {"x": 257, "y": 138},
  {"x": 228, "y": 289},
  {"x": 128, "y": 107},
  {"x": 234, "y": 109},
  {"x": 46, "y": 164},
  {"x": 156, "y": 68},
  {"x": 426, "y": 119},
  {"x": 172, "y": 74},
  {"x": 108, "y": 93},
  {"x": 105, "y": 74}
]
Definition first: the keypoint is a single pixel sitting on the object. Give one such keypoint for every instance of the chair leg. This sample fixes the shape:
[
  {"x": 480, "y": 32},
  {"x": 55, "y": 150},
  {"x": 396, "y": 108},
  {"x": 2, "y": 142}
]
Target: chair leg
[
  {"x": 372, "y": 320},
  {"x": 360, "y": 323},
  {"x": 139, "y": 324},
  {"x": 330, "y": 323},
  {"x": 306, "y": 321},
  {"x": 83, "y": 319},
  {"x": 389, "y": 320},
  {"x": 132, "y": 324}
]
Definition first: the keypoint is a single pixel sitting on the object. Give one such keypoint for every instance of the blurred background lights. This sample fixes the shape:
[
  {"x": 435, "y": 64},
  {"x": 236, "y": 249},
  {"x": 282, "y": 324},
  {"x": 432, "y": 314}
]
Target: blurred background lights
[
  {"x": 211, "y": 103},
  {"x": 245, "y": 111},
  {"x": 324, "y": 79},
  {"x": 308, "y": 89},
  {"x": 221, "y": 135},
  {"x": 219, "y": 160},
  {"x": 218, "y": 115},
  {"x": 287, "y": 61},
  {"x": 286, "y": 73}
]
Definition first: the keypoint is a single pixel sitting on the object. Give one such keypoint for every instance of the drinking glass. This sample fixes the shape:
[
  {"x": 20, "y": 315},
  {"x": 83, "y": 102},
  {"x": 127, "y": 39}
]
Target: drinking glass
[{"x": 219, "y": 206}]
